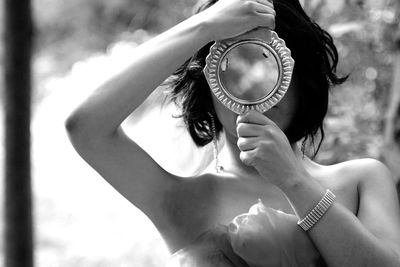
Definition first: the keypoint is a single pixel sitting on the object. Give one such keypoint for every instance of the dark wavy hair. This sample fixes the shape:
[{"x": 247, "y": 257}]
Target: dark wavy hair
[{"x": 316, "y": 60}]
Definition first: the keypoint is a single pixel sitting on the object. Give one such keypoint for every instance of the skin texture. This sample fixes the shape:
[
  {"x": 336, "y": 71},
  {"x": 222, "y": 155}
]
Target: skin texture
[{"x": 360, "y": 229}]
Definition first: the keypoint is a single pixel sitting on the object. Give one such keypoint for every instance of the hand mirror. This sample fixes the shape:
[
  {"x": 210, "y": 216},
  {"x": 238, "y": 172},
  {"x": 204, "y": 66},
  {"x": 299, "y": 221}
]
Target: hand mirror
[{"x": 250, "y": 71}]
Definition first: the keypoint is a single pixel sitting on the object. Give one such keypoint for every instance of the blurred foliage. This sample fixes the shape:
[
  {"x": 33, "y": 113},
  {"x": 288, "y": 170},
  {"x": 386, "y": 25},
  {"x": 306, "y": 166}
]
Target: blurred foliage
[
  {"x": 71, "y": 30},
  {"x": 364, "y": 36}
]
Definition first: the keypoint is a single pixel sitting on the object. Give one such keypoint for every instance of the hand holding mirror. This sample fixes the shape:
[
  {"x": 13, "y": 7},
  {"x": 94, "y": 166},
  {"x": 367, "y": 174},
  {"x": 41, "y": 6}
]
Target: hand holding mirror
[{"x": 250, "y": 71}]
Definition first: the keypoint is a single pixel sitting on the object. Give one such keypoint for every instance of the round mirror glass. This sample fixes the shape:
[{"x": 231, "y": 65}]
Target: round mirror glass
[{"x": 249, "y": 72}]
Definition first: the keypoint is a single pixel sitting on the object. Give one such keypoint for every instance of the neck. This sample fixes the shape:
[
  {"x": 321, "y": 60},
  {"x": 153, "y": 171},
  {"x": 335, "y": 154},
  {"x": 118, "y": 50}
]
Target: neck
[{"x": 229, "y": 159}]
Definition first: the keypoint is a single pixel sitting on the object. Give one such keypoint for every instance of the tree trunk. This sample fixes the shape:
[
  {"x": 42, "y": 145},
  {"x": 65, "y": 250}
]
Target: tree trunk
[{"x": 18, "y": 211}]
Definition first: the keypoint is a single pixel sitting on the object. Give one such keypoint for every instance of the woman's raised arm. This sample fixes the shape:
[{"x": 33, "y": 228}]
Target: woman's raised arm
[
  {"x": 155, "y": 60},
  {"x": 94, "y": 127},
  {"x": 103, "y": 112}
]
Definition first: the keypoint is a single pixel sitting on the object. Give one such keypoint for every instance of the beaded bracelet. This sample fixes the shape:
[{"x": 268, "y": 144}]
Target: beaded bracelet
[{"x": 318, "y": 211}]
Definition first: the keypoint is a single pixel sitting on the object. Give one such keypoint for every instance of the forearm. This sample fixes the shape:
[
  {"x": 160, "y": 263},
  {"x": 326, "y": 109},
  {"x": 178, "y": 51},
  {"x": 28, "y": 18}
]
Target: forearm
[
  {"x": 339, "y": 236},
  {"x": 152, "y": 63}
]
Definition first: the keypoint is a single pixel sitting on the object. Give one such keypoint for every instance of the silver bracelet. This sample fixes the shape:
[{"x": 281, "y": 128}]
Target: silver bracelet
[{"x": 318, "y": 211}]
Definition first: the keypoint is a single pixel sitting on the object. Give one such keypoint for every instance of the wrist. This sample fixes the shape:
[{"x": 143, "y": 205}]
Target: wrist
[
  {"x": 302, "y": 192},
  {"x": 204, "y": 27},
  {"x": 295, "y": 182}
]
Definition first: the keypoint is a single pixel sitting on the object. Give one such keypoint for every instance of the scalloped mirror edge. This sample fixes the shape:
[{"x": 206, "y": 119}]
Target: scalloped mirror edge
[{"x": 261, "y": 36}]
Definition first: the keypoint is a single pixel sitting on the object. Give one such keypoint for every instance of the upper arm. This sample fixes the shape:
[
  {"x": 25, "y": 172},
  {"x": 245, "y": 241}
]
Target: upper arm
[
  {"x": 128, "y": 168},
  {"x": 379, "y": 208}
]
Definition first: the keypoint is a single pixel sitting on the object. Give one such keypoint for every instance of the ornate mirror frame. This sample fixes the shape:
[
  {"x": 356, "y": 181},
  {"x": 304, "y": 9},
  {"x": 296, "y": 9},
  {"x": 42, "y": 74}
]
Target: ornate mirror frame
[{"x": 260, "y": 36}]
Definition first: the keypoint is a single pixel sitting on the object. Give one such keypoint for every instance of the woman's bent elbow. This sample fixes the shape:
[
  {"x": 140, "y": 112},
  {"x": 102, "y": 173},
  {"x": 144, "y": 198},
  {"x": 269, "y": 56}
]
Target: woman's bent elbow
[
  {"x": 77, "y": 129},
  {"x": 81, "y": 137},
  {"x": 83, "y": 134},
  {"x": 75, "y": 125},
  {"x": 71, "y": 124}
]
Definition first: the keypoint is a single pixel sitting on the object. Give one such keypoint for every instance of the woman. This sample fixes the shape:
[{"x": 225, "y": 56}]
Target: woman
[{"x": 261, "y": 158}]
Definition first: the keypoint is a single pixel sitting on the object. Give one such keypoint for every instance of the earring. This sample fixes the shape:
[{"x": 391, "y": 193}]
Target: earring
[{"x": 218, "y": 168}]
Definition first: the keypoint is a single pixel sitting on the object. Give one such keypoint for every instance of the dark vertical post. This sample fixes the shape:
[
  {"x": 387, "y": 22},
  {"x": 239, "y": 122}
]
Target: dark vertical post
[
  {"x": 17, "y": 70},
  {"x": 396, "y": 132}
]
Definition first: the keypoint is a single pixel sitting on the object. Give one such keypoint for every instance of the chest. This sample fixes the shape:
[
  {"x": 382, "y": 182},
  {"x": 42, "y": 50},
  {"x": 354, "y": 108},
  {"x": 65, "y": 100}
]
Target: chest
[{"x": 193, "y": 208}]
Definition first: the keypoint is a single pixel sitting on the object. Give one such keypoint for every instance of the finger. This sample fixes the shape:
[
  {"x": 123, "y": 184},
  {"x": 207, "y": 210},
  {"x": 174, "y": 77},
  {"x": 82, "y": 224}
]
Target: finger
[
  {"x": 249, "y": 143},
  {"x": 263, "y": 7},
  {"x": 265, "y": 18},
  {"x": 268, "y": 3},
  {"x": 264, "y": 15},
  {"x": 253, "y": 116},
  {"x": 268, "y": 21},
  {"x": 249, "y": 130},
  {"x": 247, "y": 157}
]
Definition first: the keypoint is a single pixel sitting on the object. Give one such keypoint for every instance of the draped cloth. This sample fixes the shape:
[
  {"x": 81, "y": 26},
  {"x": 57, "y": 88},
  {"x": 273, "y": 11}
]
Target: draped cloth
[{"x": 263, "y": 237}]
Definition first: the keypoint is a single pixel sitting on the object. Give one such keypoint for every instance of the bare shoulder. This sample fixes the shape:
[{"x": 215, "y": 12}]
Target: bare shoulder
[
  {"x": 358, "y": 172},
  {"x": 353, "y": 180},
  {"x": 378, "y": 208},
  {"x": 374, "y": 180},
  {"x": 364, "y": 172}
]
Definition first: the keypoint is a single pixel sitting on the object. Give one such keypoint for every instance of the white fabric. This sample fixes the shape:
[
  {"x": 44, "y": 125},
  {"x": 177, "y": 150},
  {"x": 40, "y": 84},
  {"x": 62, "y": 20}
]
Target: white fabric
[{"x": 265, "y": 237}]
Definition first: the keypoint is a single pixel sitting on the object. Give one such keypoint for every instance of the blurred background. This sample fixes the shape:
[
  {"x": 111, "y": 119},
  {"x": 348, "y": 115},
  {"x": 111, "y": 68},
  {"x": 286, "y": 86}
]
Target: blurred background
[{"x": 79, "y": 220}]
